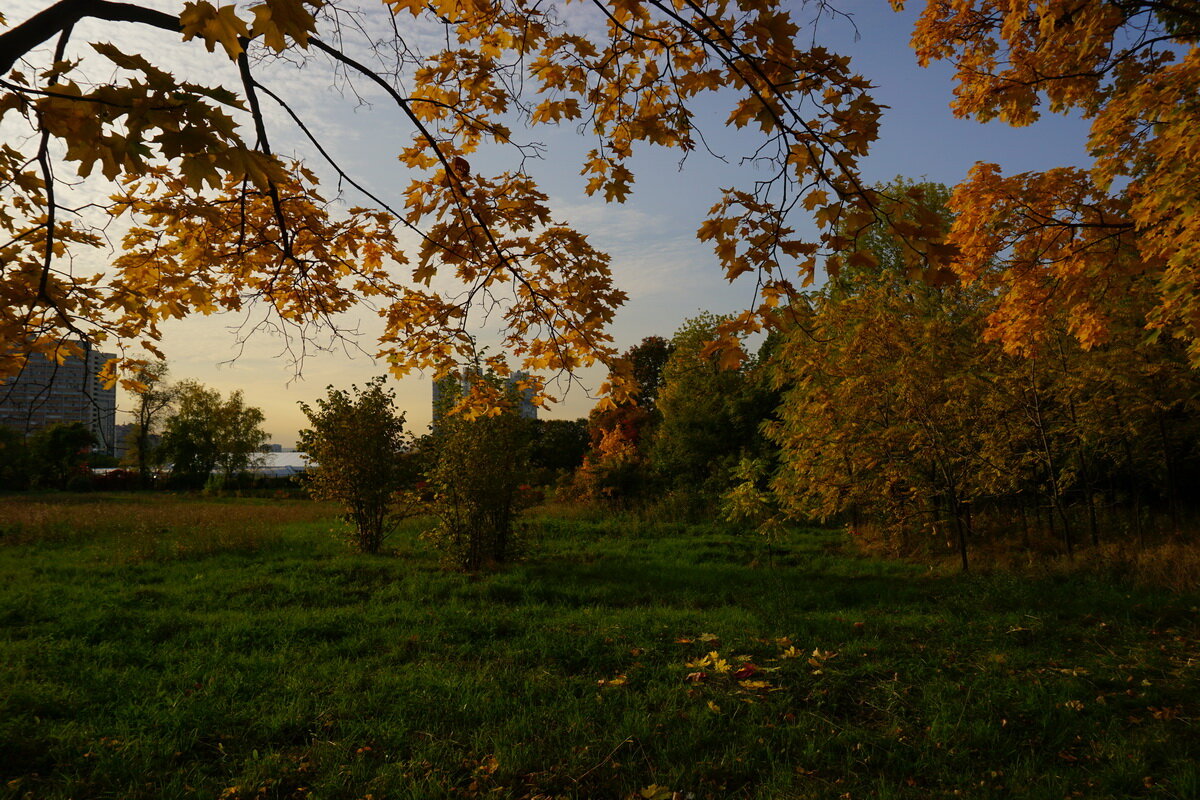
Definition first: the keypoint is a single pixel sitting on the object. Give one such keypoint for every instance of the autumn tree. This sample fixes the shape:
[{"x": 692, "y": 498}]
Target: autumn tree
[
  {"x": 216, "y": 220},
  {"x": 362, "y": 459},
  {"x": 1070, "y": 240},
  {"x": 883, "y": 378},
  {"x": 1125, "y": 421},
  {"x": 881, "y": 416},
  {"x": 615, "y": 469},
  {"x": 901, "y": 414}
]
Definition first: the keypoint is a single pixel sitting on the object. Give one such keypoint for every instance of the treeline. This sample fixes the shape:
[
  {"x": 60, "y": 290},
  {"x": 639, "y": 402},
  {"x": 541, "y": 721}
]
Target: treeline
[
  {"x": 184, "y": 435},
  {"x": 882, "y": 401},
  {"x": 674, "y": 450},
  {"x": 56, "y": 457}
]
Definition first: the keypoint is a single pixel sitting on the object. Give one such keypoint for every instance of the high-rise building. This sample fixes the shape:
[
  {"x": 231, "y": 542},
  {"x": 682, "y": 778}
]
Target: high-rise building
[
  {"x": 456, "y": 384},
  {"x": 46, "y": 393},
  {"x": 525, "y": 405}
]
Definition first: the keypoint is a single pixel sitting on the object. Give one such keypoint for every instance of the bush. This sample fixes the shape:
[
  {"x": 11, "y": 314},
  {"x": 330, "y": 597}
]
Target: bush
[
  {"x": 364, "y": 460},
  {"x": 57, "y": 456},
  {"x": 14, "y": 460},
  {"x": 79, "y": 482},
  {"x": 479, "y": 482}
]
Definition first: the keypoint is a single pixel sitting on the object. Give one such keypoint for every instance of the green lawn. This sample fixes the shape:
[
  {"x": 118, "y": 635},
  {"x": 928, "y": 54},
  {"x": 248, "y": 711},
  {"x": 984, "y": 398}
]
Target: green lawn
[{"x": 166, "y": 648}]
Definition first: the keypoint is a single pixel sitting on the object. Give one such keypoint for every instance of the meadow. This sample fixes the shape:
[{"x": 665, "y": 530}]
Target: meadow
[{"x": 172, "y": 647}]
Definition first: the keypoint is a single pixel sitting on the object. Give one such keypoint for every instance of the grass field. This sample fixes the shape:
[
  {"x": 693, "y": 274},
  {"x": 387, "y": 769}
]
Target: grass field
[{"x": 157, "y": 647}]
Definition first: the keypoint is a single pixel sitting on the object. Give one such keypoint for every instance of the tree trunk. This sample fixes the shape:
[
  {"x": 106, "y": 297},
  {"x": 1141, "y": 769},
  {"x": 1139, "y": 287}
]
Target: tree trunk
[
  {"x": 961, "y": 531},
  {"x": 1169, "y": 466}
]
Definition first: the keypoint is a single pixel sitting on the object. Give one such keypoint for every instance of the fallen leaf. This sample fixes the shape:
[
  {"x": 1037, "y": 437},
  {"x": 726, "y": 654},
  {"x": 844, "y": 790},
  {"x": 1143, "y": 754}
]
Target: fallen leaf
[{"x": 748, "y": 670}]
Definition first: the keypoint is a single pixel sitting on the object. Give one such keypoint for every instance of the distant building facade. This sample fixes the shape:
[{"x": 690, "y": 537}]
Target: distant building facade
[
  {"x": 281, "y": 464},
  {"x": 121, "y": 437},
  {"x": 525, "y": 407},
  {"x": 454, "y": 385},
  {"x": 123, "y": 440},
  {"x": 46, "y": 393}
]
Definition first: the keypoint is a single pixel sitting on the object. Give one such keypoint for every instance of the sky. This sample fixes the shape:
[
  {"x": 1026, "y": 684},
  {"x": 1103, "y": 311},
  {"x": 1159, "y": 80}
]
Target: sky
[{"x": 668, "y": 275}]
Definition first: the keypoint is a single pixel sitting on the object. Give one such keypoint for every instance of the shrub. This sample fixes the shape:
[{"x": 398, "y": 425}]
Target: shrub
[
  {"x": 479, "y": 469},
  {"x": 363, "y": 458}
]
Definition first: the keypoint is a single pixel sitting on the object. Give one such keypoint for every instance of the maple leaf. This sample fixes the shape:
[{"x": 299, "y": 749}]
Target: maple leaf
[
  {"x": 214, "y": 25},
  {"x": 276, "y": 19},
  {"x": 747, "y": 670},
  {"x": 815, "y": 198},
  {"x": 617, "y": 187}
]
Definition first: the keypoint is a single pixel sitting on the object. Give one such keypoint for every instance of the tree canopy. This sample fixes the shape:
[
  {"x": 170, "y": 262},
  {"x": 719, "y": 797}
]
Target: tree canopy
[
  {"x": 207, "y": 434},
  {"x": 215, "y": 219},
  {"x": 1070, "y": 240}
]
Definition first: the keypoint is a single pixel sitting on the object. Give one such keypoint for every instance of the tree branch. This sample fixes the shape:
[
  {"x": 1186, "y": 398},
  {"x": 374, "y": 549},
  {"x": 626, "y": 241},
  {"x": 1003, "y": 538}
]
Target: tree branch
[
  {"x": 16, "y": 43},
  {"x": 260, "y": 128}
]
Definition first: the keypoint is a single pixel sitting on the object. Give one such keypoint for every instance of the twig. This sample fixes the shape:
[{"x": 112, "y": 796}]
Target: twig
[{"x": 604, "y": 760}]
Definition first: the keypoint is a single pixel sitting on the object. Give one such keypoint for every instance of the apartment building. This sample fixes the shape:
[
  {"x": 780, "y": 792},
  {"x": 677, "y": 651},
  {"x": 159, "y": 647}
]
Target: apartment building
[
  {"x": 453, "y": 386},
  {"x": 46, "y": 392}
]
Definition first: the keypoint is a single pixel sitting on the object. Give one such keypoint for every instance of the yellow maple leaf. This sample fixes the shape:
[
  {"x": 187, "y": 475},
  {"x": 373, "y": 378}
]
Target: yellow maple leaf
[
  {"x": 275, "y": 19},
  {"x": 214, "y": 25}
]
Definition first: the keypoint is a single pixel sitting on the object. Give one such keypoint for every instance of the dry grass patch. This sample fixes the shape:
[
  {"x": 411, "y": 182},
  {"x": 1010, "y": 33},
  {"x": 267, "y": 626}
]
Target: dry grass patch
[
  {"x": 139, "y": 530},
  {"x": 1172, "y": 564}
]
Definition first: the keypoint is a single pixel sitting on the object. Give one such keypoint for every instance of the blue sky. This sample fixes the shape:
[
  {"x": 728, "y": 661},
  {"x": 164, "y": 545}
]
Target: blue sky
[{"x": 668, "y": 275}]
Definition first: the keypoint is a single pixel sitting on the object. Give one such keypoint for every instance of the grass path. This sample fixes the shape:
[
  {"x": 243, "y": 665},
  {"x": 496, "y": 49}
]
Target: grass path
[{"x": 165, "y": 648}]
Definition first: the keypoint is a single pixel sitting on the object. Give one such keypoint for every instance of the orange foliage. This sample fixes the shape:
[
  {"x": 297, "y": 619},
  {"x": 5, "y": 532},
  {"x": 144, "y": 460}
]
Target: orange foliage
[{"x": 1070, "y": 240}]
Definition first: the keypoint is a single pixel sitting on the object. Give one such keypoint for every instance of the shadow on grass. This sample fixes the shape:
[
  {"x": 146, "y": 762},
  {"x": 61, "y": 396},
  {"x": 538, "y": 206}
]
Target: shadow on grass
[{"x": 623, "y": 582}]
